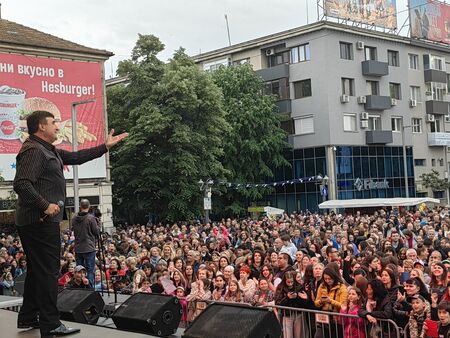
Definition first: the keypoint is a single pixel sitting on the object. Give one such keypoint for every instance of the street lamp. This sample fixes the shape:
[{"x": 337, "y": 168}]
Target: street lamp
[
  {"x": 206, "y": 188},
  {"x": 323, "y": 186},
  {"x": 76, "y": 197}
]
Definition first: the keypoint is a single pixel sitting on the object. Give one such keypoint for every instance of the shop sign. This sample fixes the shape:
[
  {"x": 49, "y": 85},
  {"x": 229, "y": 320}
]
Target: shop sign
[{"x": 369, "y": 184}]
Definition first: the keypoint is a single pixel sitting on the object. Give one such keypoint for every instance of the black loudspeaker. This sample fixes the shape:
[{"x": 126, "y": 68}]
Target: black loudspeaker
[
  {"x": 149, "y": 313},
  {"x": 234, "y": 321},
  {"x": 80, "y": 305}
]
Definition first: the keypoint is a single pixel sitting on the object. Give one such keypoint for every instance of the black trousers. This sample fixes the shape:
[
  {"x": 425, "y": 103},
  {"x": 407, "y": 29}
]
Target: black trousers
[{"x": 41, "y": 244}]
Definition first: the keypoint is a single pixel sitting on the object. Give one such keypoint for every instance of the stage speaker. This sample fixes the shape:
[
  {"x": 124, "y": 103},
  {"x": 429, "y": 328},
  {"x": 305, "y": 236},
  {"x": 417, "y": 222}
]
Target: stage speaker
[
  {"x": 80, "y": 305},
  {"x": 234, "y": 321},
  {"x": 149, "y": 313}
]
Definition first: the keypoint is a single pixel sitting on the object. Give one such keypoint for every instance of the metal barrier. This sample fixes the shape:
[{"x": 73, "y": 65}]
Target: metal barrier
[{"x": 306, "y": 323}]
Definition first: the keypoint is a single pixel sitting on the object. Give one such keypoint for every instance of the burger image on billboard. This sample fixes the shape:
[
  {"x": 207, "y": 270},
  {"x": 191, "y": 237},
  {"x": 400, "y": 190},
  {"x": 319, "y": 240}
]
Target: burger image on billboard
[{"x": 11, "y": 100}]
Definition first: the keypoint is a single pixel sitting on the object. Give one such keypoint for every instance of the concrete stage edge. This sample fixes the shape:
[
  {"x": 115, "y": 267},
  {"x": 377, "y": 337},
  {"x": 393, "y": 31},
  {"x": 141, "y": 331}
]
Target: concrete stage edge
[{"x": 8, "y": 322}]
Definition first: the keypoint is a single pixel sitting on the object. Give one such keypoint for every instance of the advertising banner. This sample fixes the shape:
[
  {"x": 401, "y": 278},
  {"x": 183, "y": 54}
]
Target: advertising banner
[
  {"x": 429, "y": 20},
  {"x": 381, "y": 13},
  {"x": 35, "y": 83}
]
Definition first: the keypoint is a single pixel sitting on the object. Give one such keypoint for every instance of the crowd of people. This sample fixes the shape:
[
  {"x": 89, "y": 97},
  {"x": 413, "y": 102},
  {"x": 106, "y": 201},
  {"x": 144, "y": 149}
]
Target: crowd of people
[{"x": 380, "y": 265}]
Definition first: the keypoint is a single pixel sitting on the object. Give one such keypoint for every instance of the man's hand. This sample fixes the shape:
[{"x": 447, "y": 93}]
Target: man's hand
[
  {"x": 52, "y": 210},
  {"x": 112, "y": 140}
]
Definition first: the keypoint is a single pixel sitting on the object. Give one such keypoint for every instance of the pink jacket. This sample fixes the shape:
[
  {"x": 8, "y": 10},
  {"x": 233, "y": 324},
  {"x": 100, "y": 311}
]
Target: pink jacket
[{"x": 353, "y": 327}]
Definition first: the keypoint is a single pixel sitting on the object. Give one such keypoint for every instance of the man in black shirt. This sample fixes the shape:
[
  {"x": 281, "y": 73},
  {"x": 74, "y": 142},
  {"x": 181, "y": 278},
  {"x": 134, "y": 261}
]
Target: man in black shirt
[{"x": 40, "y": 186}]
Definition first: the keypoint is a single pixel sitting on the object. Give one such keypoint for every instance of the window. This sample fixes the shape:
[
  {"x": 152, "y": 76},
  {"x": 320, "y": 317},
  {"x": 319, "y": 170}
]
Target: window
[
  {"x": 370, "y": 53},
  {"x": 348, "y": 86},
  {"x": 349, "y": 122},
  {"x": 396, "y": 123},
  {"x": 241, "y": 62},
  {"x": 433, "y": 162},
  {"x": 302, "y": 89},
  {"x": 441, "y": 162},
  {"x": 372, "y": 87},
  {"x": 393, "y": 58},
  {"x": 435, "y": 91},
  {"x": 413, "y": 61},
  {"x": 394, "y": 90},
  {"x": 279, "y": 59},
  {"x": 438, "y": 194},
  {"x": 346, "y": 50},
  {"x": 433, "y": 62},
  {"x": 415, "y": 93},
  {"x": 435, "y": 127},
  {"x": 374, "y": 122},
  {"x": 279, "y": 88},
  {"x": 420, "y": 162},
  {"x": 416, "y": 125},
  {"x": 448, "y": 83},
  {"x": 304, "y": 125},
  {"x": 300, "y": 53}
]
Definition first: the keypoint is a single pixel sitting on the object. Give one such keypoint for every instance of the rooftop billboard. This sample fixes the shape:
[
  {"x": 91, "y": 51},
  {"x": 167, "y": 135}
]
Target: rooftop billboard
[
  {"x": 30, "y": 83},
  {"x": 381, "y": 13},
  {"x": 429, "y": 20}
]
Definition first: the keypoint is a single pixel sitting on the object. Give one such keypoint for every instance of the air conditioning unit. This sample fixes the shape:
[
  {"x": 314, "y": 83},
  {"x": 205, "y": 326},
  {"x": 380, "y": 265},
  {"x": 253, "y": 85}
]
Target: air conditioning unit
[
  {"x": 360, "y": 45},
  {"x": 393, "y": 102},
  {"x": 413, "y": 103},
  {"x": 430, "y": 118},
  {"x": 364, "y": 115},
  {"x": 270, "y": 51},
  {"x": 345, "y": 98},
  {"x": 364, "y": 124},
  {"x": 361, "y": 99}
]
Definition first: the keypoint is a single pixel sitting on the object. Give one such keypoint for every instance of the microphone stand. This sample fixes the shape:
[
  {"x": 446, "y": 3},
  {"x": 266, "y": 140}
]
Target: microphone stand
[{"x": 102, "y": 262}]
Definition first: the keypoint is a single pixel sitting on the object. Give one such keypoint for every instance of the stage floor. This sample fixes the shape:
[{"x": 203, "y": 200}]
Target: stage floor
[{"x": 8, "y": 322}]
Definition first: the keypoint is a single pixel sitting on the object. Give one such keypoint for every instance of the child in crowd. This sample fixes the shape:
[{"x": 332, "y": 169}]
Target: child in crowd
[
  {"x": 145, "y": 286},
  {"x": 353, "y": 327},
  {"x": 419, "y": 314}
]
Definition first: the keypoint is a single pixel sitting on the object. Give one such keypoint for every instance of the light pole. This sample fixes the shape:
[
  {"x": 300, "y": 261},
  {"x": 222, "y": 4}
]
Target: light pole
[
  {"x": 405, "y": 165},
  {"x": 76, "y": 201},
  {"x": 206, "y": 188}
]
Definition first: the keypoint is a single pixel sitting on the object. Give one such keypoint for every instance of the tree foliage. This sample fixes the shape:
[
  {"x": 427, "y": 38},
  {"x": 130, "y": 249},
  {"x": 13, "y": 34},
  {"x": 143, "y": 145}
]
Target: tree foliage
[
  {"x": 433, "y": 181},
  {"x": 253, "y": 147},
  {"x": 175, "y": 118}
]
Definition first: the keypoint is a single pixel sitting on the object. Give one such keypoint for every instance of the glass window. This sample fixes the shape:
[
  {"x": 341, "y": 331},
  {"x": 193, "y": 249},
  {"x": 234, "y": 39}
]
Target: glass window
[
  {"x": 279, "y": 58},
  {"x": 370, "y": 53},
  {"x": 300, "y": 53},
  {"x": 372, "y": 87},
  {"x": 435, "y": 127},
  {"x": 415, "y": 93},
  {"x": 374, "y": 122},
  {"x": 413, "y": 61},
  {"x": 349, "y": 122},
  {"x": 304, "y": 125},
  {"x": 433, "y": 162},
  {"x": 433, "y": 62},
  {"x": 302, "y": 89},
  {"x": 241, "y": 62},
  {"x": 299, "y": 170},
  {"x": 416, "y": 125},
  {"x": 438, "y": 194},
  {"x": 346, "y": 50},
  {"x": 435, "y": 91},
  {"x": 396, "y": 123},
  {"x": 348, "y": 86},
  {"x": 393, "y": 58},
  {"x": 395, "y": 91},
  {"x": 448, "y": 83}
]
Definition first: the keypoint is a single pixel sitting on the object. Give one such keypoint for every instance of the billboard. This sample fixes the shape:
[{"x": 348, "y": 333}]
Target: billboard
[
  {"x": 429, "y": 20},
  {"x": 30, "y": 83},
  {"x": 381, "y": 13}
]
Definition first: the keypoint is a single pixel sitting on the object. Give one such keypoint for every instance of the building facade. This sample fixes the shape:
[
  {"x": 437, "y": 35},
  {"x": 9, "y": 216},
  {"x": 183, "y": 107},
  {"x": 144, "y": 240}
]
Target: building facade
[
  {"x": 18, "y": 42},
  {"x": 367, "y": 109}
]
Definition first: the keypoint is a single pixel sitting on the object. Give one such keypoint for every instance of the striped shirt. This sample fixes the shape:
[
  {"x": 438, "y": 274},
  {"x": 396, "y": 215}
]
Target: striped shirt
[{"x": 40, "y": 180}]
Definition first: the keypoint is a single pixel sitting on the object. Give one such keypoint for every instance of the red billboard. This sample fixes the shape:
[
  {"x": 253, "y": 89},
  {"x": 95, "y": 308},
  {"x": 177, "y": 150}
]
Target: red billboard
[
  {"x": 30, "y": 83},
  {"x": 430, "y": 20}
]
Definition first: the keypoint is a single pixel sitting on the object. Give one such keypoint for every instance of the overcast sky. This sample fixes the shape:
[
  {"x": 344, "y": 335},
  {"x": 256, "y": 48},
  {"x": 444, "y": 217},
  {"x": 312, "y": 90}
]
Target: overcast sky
[{"x": 197, "y": 25}]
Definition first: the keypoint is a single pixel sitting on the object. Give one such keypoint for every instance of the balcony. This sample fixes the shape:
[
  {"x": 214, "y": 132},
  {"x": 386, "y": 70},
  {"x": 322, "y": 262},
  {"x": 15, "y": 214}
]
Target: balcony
[
  {"x": 439, "y": 139},
  {"x": 432, "y": 75},
  {"x": 377, "y": 102},
  {"x": 379, "y": 136},
  {"x": 274, "y": 73},
  {"x": 375, "y": 68},
  {"x": 284, "y": 106},
  {"x": 436, "y": 107}
]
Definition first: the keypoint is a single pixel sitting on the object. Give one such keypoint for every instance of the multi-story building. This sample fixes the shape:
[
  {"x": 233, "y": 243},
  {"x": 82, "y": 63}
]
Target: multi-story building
[{"x": 353, "y": 100}]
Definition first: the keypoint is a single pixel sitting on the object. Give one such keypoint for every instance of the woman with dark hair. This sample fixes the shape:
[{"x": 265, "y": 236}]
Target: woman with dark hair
[
  {"x": 267, "y": 273},
  {"x": 389, "y": 280},
  {"x": 438, "y": 282},
  {"x": 257, "y": 263},
  {"x": 403, "y": 307},
  {"x": 377, "y": 303},
  {"x": 332, "y": 293},
  {"x": 287, "y": 295},
  {"x": 373, "y": 267}
]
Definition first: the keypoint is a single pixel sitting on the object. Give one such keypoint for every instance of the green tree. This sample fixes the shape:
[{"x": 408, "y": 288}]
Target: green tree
[
  {"x": 175, "y": 117},
  {"x": 254, "y": 146},
  {"x": 433, "y": 181}
]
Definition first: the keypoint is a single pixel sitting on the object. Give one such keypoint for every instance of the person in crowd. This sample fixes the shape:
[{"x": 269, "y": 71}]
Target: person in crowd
[
  {"x": 145, "y": 286},
  {"x": 79, "y": 279},
  {"x": 234, "y": 293},
  {"x": 353, "y": 327},
  {"x": 220, "y": 288},
  {"x": 99, "y": 281},
  {"x": 247, "y": 285},
  {"x": 263, "y": 296},
  {"x": 286, "y": 295},
  {"x": 196, "y": 299},
  {"x": 389, "y": 280},
  {"x": 419, "y": 315}
]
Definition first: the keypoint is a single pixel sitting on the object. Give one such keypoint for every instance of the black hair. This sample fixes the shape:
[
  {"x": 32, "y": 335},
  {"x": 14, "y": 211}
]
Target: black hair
[
  {"x": 36, "y": 118},
  {"x": 379, "y": 291}
]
